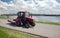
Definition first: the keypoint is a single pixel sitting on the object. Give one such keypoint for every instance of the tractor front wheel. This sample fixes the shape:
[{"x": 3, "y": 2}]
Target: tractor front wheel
[{"x": 32, "y": 24}]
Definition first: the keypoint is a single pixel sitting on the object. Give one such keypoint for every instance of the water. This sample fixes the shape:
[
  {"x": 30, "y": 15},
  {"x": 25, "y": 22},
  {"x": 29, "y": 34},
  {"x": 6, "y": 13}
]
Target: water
[
  {"x": 44, "y": 18},
  {"x": 47, "y": 18}
]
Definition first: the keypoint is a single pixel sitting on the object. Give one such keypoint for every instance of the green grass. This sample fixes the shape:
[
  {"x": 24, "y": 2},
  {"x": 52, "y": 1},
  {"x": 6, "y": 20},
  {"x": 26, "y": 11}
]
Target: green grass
[
  {"x": 7, "y": 33},
  {"x": 3, "y": 18},
  {"x": 53, "y": 23}
]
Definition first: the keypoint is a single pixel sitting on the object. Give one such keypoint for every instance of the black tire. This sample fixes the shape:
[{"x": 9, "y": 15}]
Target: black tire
[
  {"x": 32, "y": 24},
  {"x": 17, "y": 23},
  {"x": 26, "y": 25}
]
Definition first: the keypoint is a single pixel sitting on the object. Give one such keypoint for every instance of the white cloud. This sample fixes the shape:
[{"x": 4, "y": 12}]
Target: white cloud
[{"x": 38, "y": 6}]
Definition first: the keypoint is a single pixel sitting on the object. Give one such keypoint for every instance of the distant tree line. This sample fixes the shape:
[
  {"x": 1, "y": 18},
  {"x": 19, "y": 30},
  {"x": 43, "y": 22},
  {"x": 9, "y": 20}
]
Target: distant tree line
[{"x": 31, "y": 14}]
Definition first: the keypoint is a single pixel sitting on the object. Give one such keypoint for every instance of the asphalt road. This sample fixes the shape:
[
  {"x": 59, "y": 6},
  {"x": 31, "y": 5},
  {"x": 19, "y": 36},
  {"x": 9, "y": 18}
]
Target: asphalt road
[{"x": 50, "y": 31}]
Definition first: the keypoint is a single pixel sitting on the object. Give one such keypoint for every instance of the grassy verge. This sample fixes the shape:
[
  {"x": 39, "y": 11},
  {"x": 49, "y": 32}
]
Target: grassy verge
[
  {"x": 7, "y": 33},
  {"x": 5, "y": 18},
  {"x": 53, "y": 23}
]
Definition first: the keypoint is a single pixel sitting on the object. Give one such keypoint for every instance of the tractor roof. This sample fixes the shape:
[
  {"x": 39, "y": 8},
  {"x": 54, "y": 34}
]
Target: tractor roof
[{"x": 22, "y": 12}]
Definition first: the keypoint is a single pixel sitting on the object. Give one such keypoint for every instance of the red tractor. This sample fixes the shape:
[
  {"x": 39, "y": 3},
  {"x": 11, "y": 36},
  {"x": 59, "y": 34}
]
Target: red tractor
[{"x": 23, "y": 19}]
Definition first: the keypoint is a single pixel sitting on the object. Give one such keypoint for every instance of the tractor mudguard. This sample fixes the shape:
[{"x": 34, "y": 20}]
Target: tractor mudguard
[{"x": 30, "y": 19}]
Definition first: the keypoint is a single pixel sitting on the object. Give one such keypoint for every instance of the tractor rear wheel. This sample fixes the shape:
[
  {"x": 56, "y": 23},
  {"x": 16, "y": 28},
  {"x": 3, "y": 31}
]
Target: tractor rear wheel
[
  {"x": 18, "y": 23},
  {"x": 26, "y": 25}
]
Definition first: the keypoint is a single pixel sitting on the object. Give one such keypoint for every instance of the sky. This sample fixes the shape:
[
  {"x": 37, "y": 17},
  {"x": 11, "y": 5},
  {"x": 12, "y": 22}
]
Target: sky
[
  {"x": 33, "y": 6},
  {"x": 7, "y": 1},
  {"x": 58, "y": 1}
]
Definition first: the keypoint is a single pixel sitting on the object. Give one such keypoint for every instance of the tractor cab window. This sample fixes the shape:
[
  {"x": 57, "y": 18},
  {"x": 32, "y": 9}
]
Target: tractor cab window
[
  {"x": 26, "y": 14},
  {"x": 21, "y": 14}
]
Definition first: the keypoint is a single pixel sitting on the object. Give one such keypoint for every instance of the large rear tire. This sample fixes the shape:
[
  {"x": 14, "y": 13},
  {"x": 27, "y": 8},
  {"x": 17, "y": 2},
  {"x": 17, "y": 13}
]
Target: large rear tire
[
  {"x": 26, "y": 25},
  {"x": 18, "y": 23}
]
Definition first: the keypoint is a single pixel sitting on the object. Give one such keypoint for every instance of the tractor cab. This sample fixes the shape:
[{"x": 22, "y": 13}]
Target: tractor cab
[{"x": 22, "y": 14}]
